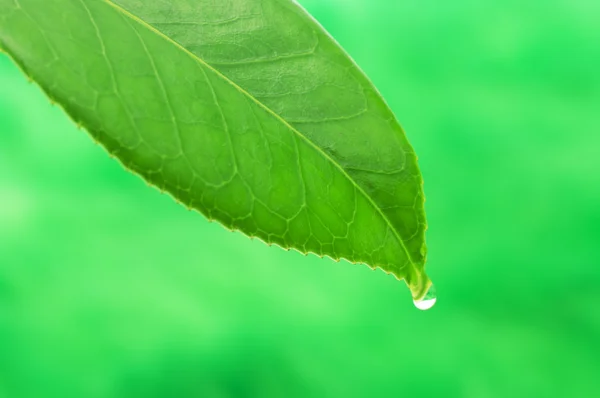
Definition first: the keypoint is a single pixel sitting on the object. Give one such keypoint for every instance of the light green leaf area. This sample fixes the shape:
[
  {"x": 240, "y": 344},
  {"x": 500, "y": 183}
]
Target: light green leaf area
[{"x": 245, "y": 110}]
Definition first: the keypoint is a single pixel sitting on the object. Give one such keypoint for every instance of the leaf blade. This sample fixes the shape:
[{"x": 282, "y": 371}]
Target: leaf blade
[{"x": 299, "y": 209}]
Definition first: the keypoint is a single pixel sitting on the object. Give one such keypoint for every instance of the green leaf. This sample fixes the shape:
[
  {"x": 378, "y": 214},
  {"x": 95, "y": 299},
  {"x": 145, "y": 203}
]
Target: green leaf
[{"x": 245, "y": 110}]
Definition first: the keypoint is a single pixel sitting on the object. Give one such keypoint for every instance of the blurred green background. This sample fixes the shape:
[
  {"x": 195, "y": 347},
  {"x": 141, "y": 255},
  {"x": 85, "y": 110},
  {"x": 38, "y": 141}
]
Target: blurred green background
[{"x": 109, "y": 289}]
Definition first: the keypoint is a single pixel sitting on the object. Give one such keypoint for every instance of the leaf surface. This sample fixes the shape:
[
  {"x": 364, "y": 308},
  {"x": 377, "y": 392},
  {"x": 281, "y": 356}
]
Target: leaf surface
[{"x": 246, "y": 110}]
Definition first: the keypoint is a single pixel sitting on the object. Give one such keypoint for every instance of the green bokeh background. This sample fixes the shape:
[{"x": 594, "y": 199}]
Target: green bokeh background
[{"x": 109, "y": 289}]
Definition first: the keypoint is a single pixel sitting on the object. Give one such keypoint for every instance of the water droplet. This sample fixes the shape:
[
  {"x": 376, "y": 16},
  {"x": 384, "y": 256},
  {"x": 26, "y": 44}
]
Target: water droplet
[{"x": 428, "y": 300}]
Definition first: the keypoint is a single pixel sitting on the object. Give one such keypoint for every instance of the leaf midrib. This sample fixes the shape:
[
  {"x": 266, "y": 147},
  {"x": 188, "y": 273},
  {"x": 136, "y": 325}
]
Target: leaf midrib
[{"x": 270, "y": 111}]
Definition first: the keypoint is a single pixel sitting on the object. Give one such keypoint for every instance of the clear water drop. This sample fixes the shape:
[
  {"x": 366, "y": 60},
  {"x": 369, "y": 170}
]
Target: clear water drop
[{"x": 428, "y": 300}]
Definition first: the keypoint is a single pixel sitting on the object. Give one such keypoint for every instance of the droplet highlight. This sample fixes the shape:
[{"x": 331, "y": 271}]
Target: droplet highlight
[{"x": 428, "y": 300}]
